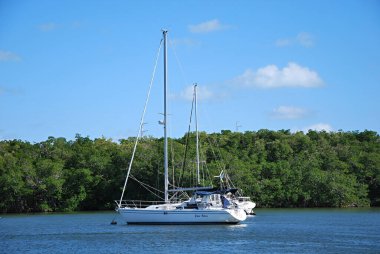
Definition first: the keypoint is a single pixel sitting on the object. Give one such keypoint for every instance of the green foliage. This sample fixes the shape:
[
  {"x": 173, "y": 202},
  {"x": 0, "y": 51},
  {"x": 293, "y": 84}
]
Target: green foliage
[{"x": 275, "y": 168}]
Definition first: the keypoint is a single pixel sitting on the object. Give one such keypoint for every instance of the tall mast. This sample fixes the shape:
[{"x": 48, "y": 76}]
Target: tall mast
[
  {"x": 164, "y": 32},
  {"x": 196, "y": 131}
]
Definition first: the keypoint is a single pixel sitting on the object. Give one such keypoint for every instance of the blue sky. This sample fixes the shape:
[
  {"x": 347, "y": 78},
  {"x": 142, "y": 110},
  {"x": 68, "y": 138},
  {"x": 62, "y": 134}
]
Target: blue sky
[{"x": 84, "y": 67}]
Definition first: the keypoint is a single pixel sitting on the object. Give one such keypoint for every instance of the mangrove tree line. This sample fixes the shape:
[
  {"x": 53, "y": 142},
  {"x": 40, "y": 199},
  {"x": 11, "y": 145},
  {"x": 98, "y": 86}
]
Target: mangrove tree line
[{"x": 275, "y": 168}]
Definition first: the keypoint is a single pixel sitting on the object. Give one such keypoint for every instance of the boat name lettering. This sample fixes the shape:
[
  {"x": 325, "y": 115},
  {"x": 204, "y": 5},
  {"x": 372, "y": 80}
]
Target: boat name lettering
[{"x": 199, "y": 216}]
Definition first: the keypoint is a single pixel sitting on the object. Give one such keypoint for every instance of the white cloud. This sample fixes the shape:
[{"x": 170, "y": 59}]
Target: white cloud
[
  {"x": 302, "y": 39},
  {"x": 47, "y": 27},
  {"x": 7, "y": 56},
  {"x": 293, "y": 75},
  {"x": 319, "y": 127},
  {"x": 305, "y": 39},
  {"x": 289, "y": 112},
  {"x": 283, "y": 42},
  {"x": 208, "y": 26}
]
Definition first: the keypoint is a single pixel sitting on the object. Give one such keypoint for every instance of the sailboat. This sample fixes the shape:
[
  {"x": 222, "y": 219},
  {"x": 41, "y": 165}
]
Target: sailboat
[{"x": 199, "y": 209}]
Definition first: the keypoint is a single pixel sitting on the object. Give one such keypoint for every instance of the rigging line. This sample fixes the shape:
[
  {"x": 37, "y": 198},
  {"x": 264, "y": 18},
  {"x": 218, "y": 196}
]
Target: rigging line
[
  {"x": 213, "y": 141},
  {"x": 172, "y": 46},
  {"x": 171, "y": 141},
  {"x": 229, "y": 182},
  {"x": 186, "y": 145},
  {"x": 206, "y": 170},
  {"x": 204, "y": 165},
  {"x": 171, "y": 144},
  {"x": 145, "y": 186},
  {"x": 178, "y": 62},
  {"x": 178, "y": 195},
  {"x": 173, "y": 167},
  {"x": 220, "y": 163},
  {"x": 141, "y": 123}
]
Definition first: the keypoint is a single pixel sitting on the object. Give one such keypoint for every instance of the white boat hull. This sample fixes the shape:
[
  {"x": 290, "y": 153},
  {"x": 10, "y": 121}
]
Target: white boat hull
[
  {"x": 182, "y": 216},
  {"x": 247, "y": 206}
]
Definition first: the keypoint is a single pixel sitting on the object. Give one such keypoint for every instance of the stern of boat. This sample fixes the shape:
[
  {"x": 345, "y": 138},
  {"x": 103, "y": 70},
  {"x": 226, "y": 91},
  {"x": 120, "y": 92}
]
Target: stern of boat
[{"x": 238, "y": 214}]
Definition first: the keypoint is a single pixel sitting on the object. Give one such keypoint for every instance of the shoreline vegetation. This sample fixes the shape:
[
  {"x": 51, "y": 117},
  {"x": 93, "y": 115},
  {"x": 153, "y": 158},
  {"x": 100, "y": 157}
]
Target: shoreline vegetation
[{"x": 275, "y": 168}]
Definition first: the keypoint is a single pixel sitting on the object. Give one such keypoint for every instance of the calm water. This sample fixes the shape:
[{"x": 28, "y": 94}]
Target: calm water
[{"x": 271, "y": 231}]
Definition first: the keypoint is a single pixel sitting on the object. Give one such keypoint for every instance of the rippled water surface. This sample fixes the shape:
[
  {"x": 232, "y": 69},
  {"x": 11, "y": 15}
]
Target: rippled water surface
[{"x": 270, "y": 231}]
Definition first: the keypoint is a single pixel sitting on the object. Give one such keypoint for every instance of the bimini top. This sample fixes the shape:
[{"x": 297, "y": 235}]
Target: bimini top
[
  {"x": 228, "y": 190},
  {"x": 217, "y": 191}
]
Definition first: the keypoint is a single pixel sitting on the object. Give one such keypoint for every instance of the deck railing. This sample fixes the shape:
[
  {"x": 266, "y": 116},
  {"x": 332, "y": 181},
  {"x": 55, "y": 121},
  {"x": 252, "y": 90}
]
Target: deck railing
[{"x": 142, "y": 203}]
